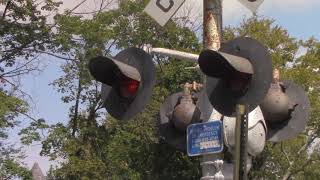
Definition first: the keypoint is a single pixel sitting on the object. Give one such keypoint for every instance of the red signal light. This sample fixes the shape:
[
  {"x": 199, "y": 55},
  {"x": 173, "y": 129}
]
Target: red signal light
[
  {"x": 239, "y": 83},
  {"x": 129, "y": 87}
]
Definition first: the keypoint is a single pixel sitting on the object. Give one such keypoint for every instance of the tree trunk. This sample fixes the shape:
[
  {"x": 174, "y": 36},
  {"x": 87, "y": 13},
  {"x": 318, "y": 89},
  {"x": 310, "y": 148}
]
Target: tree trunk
[{"x": 76, "y": 109}]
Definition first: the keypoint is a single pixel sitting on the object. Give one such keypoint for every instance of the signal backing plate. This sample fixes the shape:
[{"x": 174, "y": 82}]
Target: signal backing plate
[
  {"x": 118, "y": 107},
  {"x": 222, "y": 98},
  {"x": 299, "y": 117}
]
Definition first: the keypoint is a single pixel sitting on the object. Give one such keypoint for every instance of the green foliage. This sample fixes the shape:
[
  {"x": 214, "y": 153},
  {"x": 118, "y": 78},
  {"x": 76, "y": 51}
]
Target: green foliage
[
  {"x": 29, "y": 134},
  {"x": 24, "y": 30},
  {"x": 10, "y": 169},
  {"x": 278, "y": 157},
  {"x": 171, "y": 75},
  {"x": 10, "y": 166},
  {"x": 24, "y": 33},
  {"x": 10, "y": 107}
]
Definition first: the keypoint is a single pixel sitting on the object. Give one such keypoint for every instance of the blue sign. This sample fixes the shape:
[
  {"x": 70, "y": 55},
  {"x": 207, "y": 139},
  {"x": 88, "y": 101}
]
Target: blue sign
[{"x": 204, "y": 138}]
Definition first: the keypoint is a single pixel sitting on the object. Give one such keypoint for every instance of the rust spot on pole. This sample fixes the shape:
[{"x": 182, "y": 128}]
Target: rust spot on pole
[
  {"x": 276, "y": 75},
  {"x": 212, "y": 24}
]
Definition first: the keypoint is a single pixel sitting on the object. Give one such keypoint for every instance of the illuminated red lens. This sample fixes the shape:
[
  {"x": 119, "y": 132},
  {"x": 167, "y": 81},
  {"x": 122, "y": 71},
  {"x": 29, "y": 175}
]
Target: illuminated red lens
[
  {"x": 129, "y": 88},
  {"x": 239, "y": 82}
]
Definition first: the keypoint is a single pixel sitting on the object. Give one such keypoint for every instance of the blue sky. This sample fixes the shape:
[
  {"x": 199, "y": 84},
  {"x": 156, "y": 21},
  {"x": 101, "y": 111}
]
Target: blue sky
[{"x": 299, "y": 17}]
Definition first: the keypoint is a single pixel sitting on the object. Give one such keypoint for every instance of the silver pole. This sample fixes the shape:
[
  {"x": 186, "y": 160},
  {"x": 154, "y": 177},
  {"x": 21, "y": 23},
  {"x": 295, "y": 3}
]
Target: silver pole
[
  {"x": 241, "y": 154},
  {"x": 171, "y": 53},
  {"x": 212, "y": 35}
]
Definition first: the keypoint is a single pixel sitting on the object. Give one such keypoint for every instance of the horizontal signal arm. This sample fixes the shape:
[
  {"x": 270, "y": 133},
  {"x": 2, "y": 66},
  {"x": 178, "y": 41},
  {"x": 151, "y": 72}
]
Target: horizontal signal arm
[{"x": 171, "y": 53}]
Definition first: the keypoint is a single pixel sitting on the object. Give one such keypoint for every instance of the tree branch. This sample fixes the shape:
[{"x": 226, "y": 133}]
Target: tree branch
[
  {"x": 289, "y": 174},
  {"x": 18, "y": 68},
  {"x": 15, "y": 87},
  {"x": 34, "y": 120},
  {"x": 16, "y": 50},
  {"x": 289, "y": 171},
  {"x": 304, "y": 147},
  {"x": 19, "y": 72},
  {"x": 110, "y": 46},
  {"x": 286, "y": 155},
  {"x": 76, "y": 108},
  {"x": 57, "y": 56},
  {"x": 78, "y": 5},
  {"x": 28, "y": 116},
  {"x": 5, "y": 10}
]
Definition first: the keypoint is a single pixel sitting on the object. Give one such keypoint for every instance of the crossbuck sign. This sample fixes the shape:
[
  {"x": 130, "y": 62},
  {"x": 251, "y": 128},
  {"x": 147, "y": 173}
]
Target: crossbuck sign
[
  {"x": 252, "y": 5},
  {"x": 163, "y": 10}
]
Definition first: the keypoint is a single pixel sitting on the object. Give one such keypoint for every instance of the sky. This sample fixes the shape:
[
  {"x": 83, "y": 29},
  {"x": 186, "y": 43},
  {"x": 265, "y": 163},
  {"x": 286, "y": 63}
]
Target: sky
[{"x": 299, "y": 17}]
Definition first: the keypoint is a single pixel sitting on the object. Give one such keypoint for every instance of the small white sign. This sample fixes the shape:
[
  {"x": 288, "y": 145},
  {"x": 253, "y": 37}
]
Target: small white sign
[
  {"x": 209, "y": 144},
  {"x": 163, "y": 10},
  {"x": 253, "y": 5}
]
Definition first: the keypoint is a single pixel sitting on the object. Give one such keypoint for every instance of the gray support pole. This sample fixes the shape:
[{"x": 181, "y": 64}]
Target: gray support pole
[{"x": 212, "y": 34}]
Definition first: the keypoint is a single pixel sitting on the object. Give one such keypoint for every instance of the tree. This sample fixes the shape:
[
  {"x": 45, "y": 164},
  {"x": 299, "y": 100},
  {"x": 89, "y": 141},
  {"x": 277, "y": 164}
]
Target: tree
[
  {"x": 10, "y": 167},
  {"x": 23, "y": 34}
]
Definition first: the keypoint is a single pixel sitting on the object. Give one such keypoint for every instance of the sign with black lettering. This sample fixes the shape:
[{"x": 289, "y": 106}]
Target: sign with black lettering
[
  {"x": 163, "y": 10},
  {"x": 253, "y": 5}
]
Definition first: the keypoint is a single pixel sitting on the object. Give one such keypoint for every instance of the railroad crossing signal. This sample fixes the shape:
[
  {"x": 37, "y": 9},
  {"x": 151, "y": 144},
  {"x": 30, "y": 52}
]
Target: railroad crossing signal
[
  {"x": 239, "y": 73},
  {"x": 286, "y": 109},
  {"x": 128, "y": 80},
  {"x": 178, "y": 112},
  {"x": 167, "y": 130}
]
